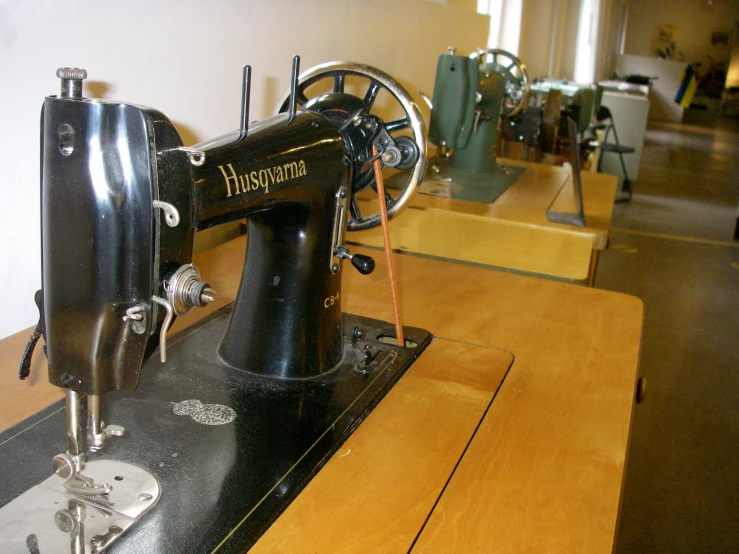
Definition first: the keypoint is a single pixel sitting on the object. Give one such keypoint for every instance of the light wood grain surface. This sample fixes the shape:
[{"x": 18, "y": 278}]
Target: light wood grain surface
[
  {"x": 401, "y": 456},
  {"x": 544, "y": 470},
  {"x": 513, "y": 232},
  {"x": 21, "y": 399},
  {"x": 540, "y": 187},
  {"x": 487, "y": 241}
]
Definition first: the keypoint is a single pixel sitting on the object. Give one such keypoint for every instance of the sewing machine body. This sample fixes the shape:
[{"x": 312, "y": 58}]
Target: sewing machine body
[
  {"x": 287, "y": 188},
  {"x": 467, "y": 102},
  {"x": 466, "y": 112},
  {"x": 272, "y": 384}
]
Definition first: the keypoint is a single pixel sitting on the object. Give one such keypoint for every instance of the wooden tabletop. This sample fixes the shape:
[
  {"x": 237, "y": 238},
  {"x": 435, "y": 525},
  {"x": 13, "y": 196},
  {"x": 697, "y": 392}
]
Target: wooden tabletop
[
  {"x": 438, "y": 466},
  {"x": 513, "y": 232},
  {"x": 482, "y": 240}
]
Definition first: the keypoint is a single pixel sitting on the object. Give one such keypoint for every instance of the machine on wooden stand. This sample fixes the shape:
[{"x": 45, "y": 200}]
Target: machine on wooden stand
[
  {"x": 471, "y": 94},
  {"x": 207, "y": 444}
]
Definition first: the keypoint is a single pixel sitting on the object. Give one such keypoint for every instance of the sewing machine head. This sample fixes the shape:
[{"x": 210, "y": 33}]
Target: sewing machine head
[
  {"x": 471, "y": 94},
  {"x": 122, "y": 198}
]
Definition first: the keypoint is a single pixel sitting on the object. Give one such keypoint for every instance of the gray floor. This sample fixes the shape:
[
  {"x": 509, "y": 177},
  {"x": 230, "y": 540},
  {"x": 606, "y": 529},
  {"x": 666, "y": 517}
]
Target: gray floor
[{"x": 673, "y": 246}]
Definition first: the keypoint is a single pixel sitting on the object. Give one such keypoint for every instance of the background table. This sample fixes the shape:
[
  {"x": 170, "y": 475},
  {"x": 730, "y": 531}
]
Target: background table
[{"x": 513, "y": 232}]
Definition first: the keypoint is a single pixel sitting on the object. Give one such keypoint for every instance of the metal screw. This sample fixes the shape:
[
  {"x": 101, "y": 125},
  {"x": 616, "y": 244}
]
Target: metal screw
[
  {"x": 64, "y": 466},
  {"x": 390, "y": 157},
  {"x": 335, "y": 268},
  {"x": 207, "y": 296},
  {"x": 67, "y": 380},
  {"x": 64, "y": 521},
  {"x": 71, "y": 73},
  {"x": 72, "y": 78},
  {"x": 357, "y": 333}
]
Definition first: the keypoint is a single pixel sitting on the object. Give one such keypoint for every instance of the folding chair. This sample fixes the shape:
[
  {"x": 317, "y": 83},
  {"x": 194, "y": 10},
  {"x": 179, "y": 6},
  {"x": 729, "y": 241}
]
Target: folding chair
[{"x": 605, "y": 120}]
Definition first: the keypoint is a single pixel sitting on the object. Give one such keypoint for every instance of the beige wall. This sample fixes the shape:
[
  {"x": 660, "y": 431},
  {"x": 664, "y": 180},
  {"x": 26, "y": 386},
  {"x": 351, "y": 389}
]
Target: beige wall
[
  {"x": 569, "y": 40},
  {"x": 610, "y": 30},
  {"x": 693, "y": 19},
  {"x": 470, "y": 5},
  {"x": 549, "y": 26},
  {"x": 184, "y": 57},
  {"x": 536, "y": 36}
]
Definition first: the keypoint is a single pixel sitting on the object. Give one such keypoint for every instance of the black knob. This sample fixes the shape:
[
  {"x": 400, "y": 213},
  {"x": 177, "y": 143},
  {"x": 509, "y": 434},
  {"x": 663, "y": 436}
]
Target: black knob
[{"x": 364, "y": 264}]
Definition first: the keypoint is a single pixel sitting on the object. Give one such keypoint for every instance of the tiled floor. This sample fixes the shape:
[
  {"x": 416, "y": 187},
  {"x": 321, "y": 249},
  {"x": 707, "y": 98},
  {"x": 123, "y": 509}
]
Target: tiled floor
[{"x": 673, "y": 246}]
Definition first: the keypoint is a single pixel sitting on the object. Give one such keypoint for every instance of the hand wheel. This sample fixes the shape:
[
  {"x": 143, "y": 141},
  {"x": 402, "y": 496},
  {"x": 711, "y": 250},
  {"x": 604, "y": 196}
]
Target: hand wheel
[
  {"x": 347, "y": 94},
  {"x": 514, "y": 74}
]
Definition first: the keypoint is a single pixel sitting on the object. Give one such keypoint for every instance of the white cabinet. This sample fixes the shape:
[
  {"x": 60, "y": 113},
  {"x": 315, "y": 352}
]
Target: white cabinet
[{"x": 630, "y": 114}]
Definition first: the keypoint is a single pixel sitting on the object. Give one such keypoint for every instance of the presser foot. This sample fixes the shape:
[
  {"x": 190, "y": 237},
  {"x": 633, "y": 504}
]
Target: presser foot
[
  {"x": 52, "y": 516},
  {"x": 80, "y": 484},
  {"x": 68, "y": 467}
]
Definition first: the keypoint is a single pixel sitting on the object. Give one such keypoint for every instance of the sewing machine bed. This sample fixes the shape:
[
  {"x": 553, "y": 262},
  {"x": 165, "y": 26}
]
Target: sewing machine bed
[
  {"x": 481, "y": 187},
  {"x": 459, "y": 184},
  {"x": 231, "y": 449}
]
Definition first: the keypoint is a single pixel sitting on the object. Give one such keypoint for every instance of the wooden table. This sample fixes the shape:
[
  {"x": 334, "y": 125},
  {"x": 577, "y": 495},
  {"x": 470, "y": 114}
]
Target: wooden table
[
  {"x": 513, "y": 232},
  {"x": 508, "y": 435}
]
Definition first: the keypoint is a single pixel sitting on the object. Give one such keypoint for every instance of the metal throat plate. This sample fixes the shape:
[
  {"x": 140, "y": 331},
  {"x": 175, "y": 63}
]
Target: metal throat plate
[
  {"x": 481, "y": 187},
  {"x": 230, "y": 449},
  {"x": 48, "y": 518}
]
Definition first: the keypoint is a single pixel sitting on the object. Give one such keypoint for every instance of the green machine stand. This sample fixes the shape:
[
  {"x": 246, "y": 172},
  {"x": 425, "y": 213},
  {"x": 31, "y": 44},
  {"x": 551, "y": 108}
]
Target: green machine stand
[{"x": 469, "y": 95}]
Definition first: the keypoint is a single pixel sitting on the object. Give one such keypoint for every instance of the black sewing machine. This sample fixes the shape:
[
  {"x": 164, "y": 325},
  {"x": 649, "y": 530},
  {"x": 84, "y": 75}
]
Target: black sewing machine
[{"x": 204, "y": 451}]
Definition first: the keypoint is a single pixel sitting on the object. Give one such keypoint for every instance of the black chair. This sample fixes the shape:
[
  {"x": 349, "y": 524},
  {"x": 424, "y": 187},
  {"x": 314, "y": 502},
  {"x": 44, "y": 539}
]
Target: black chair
[{"x": 605, "y": 122}]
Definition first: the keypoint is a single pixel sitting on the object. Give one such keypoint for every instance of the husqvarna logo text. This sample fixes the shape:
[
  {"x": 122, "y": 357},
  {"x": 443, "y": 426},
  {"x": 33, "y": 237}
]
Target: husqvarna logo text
[{"x": 261, "y": 179}]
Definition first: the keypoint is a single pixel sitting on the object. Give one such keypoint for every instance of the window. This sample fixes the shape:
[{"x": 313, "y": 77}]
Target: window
[{"x": 587, "y": 41}]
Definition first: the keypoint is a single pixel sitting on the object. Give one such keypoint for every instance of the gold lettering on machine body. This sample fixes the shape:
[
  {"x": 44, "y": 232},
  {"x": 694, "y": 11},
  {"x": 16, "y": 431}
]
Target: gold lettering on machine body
[
  {"x": 331, "y": 300},
  {"x": 260, "y": 179}
]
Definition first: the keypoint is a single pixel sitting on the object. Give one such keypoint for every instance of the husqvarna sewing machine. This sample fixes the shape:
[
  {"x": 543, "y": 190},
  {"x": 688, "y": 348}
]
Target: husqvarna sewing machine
[
  {"x": 243, "y": 408},
  {"x": 470, "y": 95}
]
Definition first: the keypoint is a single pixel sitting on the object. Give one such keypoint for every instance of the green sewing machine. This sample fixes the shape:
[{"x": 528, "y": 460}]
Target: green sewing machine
[{"x": 471, "y": 93}]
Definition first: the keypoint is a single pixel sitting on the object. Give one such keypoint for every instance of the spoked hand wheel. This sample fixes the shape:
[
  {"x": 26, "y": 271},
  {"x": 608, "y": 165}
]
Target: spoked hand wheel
[
  {"x": 515, "y": 76},
  {"x": 347, "y": 93}
]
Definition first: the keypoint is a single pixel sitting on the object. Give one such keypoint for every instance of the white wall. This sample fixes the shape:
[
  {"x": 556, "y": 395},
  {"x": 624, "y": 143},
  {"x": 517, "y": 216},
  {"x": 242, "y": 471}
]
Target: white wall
[
  {"x": 184, "y": 58},
  {"x": 693, "y": 20},
  {"x": 669, "y": 76}
]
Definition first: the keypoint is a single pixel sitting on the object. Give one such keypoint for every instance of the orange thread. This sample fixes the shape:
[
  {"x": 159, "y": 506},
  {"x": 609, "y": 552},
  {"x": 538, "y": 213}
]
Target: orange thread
[{"x": 388, "y": 249}]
